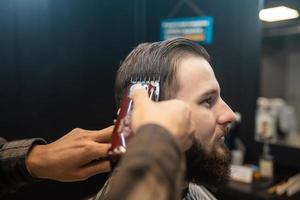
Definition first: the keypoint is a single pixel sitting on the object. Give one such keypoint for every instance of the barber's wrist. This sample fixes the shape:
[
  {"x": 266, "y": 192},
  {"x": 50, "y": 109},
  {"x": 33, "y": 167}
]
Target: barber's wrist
[{"x": 35, "y": 162}]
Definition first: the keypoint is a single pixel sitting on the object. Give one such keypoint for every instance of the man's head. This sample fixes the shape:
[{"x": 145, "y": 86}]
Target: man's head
[
  {"x": 185, "y": 73},
  {"x": 156, "y": 60}
]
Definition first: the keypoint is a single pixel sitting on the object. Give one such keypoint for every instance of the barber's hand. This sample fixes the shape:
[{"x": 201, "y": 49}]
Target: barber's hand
[
  {"x": 76, "y": 156},
  {"x": 174, "y": 115}
]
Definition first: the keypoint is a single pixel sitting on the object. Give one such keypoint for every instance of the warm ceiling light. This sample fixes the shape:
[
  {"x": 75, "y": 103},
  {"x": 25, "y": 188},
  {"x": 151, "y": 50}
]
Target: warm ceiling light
[{"x": 277, "y": 14}]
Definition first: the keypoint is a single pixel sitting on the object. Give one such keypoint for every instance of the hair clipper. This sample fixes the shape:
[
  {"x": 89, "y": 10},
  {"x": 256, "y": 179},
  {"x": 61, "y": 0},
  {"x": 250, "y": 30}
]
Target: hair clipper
[{"x": 122, "y": 130}]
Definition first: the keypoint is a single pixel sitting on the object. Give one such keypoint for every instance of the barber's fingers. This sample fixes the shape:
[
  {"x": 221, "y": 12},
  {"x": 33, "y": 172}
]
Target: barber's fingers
[
  {"x": 191, "y": 125},
  {"x": 103, "y": 135},
  {"x": 94, "y": 151},
  {"x": 189, "y": 132},
  {"x": 188, "y": 141},
  {"x": 94, "y": 168},
  {"x": 139, "y": 95}
]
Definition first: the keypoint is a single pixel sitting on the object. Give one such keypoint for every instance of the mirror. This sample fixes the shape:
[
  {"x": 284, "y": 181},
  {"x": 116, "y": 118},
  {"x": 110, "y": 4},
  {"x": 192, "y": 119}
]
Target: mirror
[{"x": 278, "y": 107}]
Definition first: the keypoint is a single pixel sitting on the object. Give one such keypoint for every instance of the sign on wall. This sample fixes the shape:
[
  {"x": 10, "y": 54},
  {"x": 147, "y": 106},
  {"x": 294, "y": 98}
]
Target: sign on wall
[{"x": 199, "y": 29}]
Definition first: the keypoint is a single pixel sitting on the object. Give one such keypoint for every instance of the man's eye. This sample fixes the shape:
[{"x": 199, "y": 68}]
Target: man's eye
[{"x": 207, "y": 102}]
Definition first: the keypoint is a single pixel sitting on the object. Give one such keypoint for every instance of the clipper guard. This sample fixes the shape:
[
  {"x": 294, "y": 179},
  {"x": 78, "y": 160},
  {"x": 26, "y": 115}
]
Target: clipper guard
[{"x": 122, "y": 131}]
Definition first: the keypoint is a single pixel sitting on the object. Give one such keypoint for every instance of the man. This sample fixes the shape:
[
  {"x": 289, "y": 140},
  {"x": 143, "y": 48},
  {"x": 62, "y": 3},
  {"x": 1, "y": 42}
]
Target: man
[{"x": 185, "y": 74}]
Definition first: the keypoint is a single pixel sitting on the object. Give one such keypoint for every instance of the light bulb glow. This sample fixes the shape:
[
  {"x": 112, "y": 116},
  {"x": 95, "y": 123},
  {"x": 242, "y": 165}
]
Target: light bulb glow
[{"x": 277, "y": 14}]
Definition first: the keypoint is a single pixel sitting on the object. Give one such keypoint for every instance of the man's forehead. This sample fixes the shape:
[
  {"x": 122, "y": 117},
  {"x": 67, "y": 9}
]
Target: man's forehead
[{"x": 196, "y": 73}]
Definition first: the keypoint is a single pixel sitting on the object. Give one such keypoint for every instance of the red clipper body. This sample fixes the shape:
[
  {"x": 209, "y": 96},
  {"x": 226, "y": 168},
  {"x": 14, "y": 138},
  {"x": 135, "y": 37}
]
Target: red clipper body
[{"x": 122, "y": 130}]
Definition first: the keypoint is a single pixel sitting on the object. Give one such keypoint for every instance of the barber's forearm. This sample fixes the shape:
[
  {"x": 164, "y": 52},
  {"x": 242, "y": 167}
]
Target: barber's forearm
[{"x": 152, "y": 168}]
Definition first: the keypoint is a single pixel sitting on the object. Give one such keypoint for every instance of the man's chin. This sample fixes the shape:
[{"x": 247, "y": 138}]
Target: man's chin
[{"x": 209, "y": 169}]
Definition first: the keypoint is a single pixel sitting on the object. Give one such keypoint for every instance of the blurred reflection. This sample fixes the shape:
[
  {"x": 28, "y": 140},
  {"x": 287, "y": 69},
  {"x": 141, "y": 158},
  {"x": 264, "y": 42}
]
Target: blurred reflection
[
  {"x": 276, "y": 122},
  {"x": 278, "y": 108}
]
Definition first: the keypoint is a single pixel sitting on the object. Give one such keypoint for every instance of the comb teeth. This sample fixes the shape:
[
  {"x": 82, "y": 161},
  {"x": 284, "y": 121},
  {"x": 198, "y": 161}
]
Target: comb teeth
[
  {"x": 144, "y": 79},
  {"x": 151, "y": 85}
]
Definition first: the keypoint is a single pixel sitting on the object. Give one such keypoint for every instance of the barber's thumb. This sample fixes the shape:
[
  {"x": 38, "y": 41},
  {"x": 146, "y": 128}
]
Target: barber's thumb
[
  {"x": 192, "y": 128},
  {"x": 139, "y": 95}
]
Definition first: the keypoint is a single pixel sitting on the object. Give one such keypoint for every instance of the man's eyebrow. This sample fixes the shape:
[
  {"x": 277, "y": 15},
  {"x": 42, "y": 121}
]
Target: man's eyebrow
[{"x": 209, "y": 92}]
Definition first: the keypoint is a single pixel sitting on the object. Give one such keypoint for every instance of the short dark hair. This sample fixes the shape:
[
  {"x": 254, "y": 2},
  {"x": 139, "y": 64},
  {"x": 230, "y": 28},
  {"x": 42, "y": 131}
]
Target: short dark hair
[{"x": 153, "y": 60}]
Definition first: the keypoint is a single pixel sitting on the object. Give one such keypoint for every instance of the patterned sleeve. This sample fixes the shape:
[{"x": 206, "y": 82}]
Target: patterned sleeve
[{"x": 13, "y": 171}]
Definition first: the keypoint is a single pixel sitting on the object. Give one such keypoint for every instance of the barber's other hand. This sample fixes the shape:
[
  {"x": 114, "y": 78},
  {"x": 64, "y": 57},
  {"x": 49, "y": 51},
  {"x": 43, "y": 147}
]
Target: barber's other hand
[
  {"x": 76, "y": 156},
  {"x": 174, "y": 115}
]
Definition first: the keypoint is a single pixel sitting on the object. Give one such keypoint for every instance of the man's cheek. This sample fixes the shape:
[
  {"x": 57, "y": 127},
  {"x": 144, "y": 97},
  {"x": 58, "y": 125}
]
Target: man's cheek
[
  {"x": 205, "y": 139},
  {"x": 204, "y": 143}
]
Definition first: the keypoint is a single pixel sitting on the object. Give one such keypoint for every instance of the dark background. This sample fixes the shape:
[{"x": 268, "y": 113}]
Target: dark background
[{"x": 58, "y": 61}]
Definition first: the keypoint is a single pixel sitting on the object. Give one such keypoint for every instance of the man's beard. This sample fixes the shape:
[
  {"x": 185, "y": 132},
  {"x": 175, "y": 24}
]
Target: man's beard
[{"x": 209, "y": 169}]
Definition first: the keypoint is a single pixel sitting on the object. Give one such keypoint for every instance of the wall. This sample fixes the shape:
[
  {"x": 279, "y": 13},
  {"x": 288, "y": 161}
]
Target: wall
[
  {"x": 292, "y": 80},
  {"x": 280, "y": 70},
  {"x": 57, "y": 66}
]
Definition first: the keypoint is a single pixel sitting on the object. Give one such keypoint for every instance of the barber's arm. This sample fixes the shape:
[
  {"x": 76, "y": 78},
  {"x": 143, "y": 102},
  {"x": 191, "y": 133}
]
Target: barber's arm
[
  {"x": 153, "y": 167},
  {"x": 76, "y": 156},
  {"x": 154, "y": 164}
]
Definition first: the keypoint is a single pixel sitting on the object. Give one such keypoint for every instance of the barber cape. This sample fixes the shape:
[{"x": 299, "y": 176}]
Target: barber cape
[{"x": 197, "y": 192}]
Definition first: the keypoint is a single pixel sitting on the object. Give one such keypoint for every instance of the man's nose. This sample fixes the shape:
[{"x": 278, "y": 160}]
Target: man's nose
[{"x": 226, "y": 115}]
